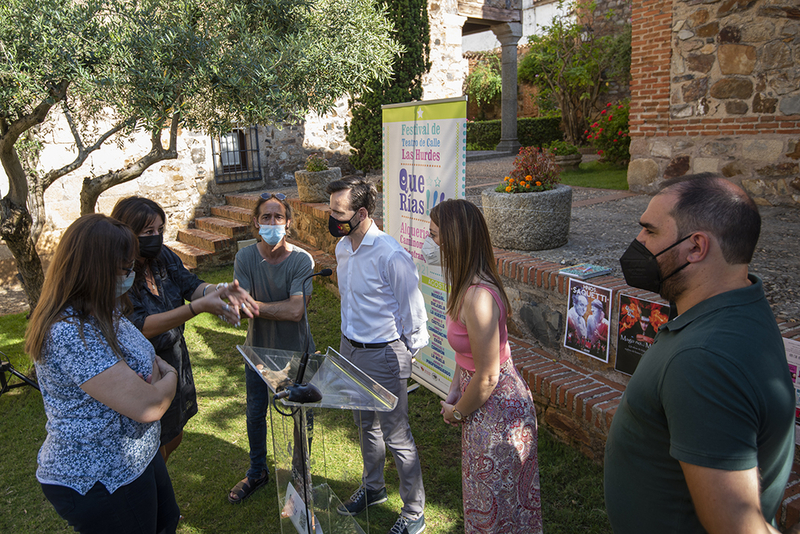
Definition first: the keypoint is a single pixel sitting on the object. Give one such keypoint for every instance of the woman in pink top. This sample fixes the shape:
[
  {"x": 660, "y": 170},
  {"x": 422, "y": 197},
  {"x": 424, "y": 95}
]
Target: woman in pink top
[{"x": 500, "y": 471}]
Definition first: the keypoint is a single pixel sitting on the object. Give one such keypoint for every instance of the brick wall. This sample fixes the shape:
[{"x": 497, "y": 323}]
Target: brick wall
[{"x": 716, "y": 88}]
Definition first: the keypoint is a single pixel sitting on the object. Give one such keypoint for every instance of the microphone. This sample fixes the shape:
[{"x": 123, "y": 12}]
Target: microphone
[{"x": 299, "y": 392}]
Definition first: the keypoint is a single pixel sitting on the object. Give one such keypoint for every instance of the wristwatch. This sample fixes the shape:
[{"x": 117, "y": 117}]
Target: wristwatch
[{"x": 457, "y": 414}]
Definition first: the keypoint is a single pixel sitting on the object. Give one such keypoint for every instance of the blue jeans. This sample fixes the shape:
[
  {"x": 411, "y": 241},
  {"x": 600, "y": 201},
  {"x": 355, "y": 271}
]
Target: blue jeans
[
  {"x": 146, "y": 505},
  {"x": 257, "y": 405},
  {"x": 258, "y": 399}
]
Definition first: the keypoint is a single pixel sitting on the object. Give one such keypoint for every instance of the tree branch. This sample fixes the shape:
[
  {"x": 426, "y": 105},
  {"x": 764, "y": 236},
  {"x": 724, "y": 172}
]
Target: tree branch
[
  {"x": 94, "y": 187},
  {"x": 83, "y": 153}
]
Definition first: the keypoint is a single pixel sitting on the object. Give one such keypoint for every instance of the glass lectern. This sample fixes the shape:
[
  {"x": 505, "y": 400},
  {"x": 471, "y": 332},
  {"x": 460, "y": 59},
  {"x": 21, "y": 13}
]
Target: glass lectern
[{"x": 306, "y": 501}]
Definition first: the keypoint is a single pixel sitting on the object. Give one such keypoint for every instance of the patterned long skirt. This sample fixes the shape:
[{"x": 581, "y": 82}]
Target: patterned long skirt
[{"x": 500, "y": 469}]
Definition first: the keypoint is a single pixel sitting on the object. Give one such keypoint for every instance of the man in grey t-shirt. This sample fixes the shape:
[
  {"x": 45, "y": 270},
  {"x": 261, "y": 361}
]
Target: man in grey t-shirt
[{"x": 272, "y": 271}]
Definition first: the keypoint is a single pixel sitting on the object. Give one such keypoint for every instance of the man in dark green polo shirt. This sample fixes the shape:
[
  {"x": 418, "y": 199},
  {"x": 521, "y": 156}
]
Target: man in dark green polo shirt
[{"x": 703, "y": 438}]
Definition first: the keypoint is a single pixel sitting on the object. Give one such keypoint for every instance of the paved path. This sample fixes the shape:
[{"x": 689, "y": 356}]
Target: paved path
[{"x": 603, "y": 224}]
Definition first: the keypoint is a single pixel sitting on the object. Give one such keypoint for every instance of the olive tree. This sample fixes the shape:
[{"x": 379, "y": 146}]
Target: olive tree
[{"x": 116, "y": 68}]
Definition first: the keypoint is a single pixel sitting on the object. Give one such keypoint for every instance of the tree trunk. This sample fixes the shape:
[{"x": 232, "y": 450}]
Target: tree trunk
[{"x": 16, "y": 232}]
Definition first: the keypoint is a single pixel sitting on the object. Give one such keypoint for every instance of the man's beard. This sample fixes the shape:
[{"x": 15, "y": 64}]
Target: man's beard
[{"x": 674, "y": 286}]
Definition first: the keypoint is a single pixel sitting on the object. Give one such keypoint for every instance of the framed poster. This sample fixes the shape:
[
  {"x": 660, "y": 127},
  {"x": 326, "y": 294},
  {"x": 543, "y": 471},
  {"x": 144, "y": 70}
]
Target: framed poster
[
  {"x": 587, "y": 330},
  {"x": 424, "y": 163},
  {"x": 639, "y": 320}
]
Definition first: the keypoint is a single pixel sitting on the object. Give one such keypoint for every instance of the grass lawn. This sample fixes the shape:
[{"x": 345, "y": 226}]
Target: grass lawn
[
  {"x": 596, "y": 174},
  {"x": 214, "y": 452}
]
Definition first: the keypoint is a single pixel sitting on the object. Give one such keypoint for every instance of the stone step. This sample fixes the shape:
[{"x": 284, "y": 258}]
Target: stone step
[
  {"x": 192, "y": 257},
  {"x": 205, "y": 240},
  {"x": 233, "y": 213},
  {"x": 242, "y": 200},
  {"x": 234, "y": 229}
]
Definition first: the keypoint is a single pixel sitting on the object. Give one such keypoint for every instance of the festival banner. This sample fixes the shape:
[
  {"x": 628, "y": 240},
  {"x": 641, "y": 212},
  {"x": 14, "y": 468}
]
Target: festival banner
[
  {"x": 587, "y": 329},
  {"x": 639, "y": 320},
  {"x": 424, "y": 163}
]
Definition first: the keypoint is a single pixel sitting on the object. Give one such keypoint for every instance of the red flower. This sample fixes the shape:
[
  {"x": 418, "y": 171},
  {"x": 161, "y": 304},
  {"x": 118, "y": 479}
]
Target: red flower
[
  {"x": 594, "y": 125},
  {"x": 619, "y": 107},
  {"x": 615, "y": 140},
  {"x": 608, "y": 105},
  {"x": 619, "y": 132},
  {"x": 603, "y": 112}
]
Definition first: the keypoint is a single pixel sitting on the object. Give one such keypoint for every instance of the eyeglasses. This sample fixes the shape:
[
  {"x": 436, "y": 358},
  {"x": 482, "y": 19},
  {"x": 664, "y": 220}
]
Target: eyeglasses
[
  {"x": 128, "y": 270},
  {"x": 279, "y": 196}
]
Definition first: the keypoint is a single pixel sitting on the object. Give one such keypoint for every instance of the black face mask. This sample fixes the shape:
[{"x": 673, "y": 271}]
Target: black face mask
[
  {"x": 339, "y": 228},
  {"x": 640, "y": 266},
  {"x": 150, "y": 245}
]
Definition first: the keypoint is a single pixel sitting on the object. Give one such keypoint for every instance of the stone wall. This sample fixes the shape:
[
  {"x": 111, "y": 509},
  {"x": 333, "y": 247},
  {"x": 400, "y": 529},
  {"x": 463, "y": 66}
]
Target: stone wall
[{"x": 716, "y": 87}]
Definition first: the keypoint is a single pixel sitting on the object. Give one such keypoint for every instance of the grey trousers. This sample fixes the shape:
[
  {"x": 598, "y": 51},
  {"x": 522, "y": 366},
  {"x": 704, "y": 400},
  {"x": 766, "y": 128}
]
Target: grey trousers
[{"x": 378, "y": 430}]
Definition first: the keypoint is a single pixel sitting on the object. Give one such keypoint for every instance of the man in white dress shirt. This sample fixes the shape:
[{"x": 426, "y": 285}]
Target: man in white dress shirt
[{"x": 383, "y": 325}]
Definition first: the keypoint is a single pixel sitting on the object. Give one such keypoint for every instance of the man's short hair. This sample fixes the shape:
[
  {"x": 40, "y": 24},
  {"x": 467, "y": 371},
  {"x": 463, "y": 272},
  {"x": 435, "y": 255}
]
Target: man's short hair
[
  {"x": 707, "y": 202},
  {"x": 577, "y": 296},
  {"x": 363, "y": 193}
]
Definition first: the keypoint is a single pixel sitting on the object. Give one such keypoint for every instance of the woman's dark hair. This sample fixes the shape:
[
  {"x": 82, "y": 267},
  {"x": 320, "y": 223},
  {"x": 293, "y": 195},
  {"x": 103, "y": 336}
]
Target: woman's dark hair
[
  {"x": 137, "y": 212},
  {"x": 83, "y": 275},
  {"x": 466, "y": 250}
]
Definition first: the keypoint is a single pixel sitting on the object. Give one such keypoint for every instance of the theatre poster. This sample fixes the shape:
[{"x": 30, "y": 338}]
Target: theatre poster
[
  {"x": 587, "y": 328},
  {"x": 424, "y": 163},
  {"x": 639, "y": 320}
]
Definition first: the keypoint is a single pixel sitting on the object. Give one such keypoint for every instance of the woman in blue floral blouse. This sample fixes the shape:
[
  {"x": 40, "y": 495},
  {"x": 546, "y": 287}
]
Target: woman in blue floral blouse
[{"x": 104, "y": 389}]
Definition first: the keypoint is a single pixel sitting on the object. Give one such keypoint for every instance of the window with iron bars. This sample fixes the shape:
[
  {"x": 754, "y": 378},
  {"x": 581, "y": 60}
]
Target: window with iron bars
[{"x": 236, "y": 156}]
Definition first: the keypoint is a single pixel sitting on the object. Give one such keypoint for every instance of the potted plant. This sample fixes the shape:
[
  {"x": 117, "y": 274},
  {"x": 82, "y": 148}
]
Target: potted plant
[
  {"x": 568, "y": 157},
  {"x": 313, "y": 180},
  {"x": 530, "y": 209}
]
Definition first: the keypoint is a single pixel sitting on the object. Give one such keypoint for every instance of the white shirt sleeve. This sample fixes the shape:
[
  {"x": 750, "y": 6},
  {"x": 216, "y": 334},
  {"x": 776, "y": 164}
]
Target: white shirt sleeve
[{"x": 404, "y": 280}]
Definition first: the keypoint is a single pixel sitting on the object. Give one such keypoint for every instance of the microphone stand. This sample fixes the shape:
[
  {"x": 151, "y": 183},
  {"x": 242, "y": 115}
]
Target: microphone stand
[
  {"x": 299, "y": 392},
  {"x": 302, "y": 393}
]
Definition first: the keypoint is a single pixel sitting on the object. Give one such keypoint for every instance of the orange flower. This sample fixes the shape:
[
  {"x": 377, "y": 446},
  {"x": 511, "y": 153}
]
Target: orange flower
[
  {"x": 508, "y": 189},
  {"x": 528, "y": 185},
  {"x": 505, "y": 179},
  {"x": 538, "y": 183},
  {"x": 523, "y": 183},
  {"x": 528, "y": 178}
]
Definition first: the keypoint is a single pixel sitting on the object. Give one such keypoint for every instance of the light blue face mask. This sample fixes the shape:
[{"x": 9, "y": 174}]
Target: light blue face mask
[
  {"x": 272, "y": 234},
  {"x": 124, "y": 283}
]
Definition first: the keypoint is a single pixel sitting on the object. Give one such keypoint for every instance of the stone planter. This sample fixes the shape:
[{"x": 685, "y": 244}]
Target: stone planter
[
  {"x": 311, "y": 185},
  {"x": 569, "y": 162},
  {"x": 528, "y": 221}
]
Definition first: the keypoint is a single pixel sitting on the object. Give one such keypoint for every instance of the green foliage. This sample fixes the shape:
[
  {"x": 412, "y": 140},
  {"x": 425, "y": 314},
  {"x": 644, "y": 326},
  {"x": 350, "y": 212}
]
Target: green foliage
[
  {"x": 572, "y": 65},
  {"x": 609, "y": 133},
  {"x": 412, "y": 31},
  {"x": 485, "y": 135},
  {"x": 562, "y": 148},
  {"x": 485, "y": 82},
  {"x": 117, "y": 67},
  {"x": 597, "y": 174},
  {"x": 534, "y": 170},
  {"x": 315, "y": 163}
]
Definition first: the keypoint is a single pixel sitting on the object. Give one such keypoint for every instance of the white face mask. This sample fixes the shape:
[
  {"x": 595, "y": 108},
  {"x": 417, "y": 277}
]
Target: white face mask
[
  {"x": 124, "y": 283},
  {"x": 431, "y": 252},
  {"x": 272, "y": 234}
]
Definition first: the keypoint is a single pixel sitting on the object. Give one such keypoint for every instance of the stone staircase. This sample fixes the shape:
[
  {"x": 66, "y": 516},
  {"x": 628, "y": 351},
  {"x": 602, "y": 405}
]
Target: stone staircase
[{"x": 213, "y": 240}]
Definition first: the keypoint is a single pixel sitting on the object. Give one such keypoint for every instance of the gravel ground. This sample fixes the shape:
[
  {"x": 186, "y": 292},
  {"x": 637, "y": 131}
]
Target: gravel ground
[
  {"x": 600, "y": 232},
  {"x": 603, "y": 226}
]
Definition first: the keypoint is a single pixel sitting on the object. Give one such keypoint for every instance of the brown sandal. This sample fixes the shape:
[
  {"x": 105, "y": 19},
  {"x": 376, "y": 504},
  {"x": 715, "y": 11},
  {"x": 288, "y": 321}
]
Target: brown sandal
[{"x": 246, "y": 487}]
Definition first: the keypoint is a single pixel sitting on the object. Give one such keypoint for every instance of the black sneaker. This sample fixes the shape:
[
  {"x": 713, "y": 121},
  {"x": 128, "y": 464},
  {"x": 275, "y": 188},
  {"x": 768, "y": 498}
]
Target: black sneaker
[
  {"x": 404, "y": 525},
  {"x": 362, "y": 498}
]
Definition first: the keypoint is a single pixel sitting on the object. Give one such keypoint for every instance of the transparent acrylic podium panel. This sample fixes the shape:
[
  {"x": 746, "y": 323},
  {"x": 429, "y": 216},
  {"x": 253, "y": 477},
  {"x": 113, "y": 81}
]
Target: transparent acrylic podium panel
[{"x": 306, "y": 501}]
